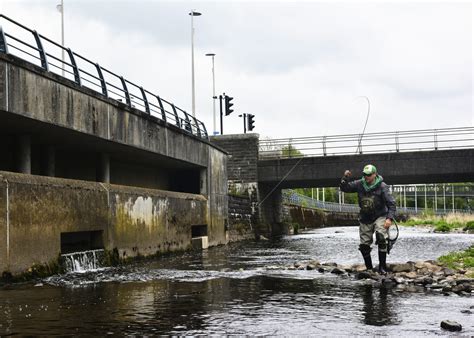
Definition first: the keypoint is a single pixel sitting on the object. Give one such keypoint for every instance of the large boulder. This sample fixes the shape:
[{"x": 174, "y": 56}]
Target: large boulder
[
  {"x": 404, "y": 267},
  {"x": 451, "y": 325}
]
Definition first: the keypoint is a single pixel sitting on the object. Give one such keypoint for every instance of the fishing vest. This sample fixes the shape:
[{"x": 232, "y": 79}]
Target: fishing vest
[{"x": 367, "y": 205}]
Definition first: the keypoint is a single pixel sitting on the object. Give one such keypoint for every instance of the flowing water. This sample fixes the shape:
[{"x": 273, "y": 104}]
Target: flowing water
[{"x": 243, "y": 288}]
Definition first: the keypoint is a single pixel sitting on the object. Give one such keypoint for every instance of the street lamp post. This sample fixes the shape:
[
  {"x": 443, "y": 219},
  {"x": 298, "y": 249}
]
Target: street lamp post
[
  {"x": 60, "y": 8},
  {"x": 214, "y": 97},
  {"x": 193, "y": 13}
]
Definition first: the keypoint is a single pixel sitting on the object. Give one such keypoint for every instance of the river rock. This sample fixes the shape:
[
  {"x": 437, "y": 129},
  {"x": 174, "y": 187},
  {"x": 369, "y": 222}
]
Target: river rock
[
  {"x": 298, "y": 265},
  {"x": 314, "y": 262},
  {"x": 424, "y": 280},
  {"x": 419, "y": 264},
  {"x": 469, "y": 312},
  {"x": 451, "y": 325},
  {"x": 436, "y": 286},
  {"x": 448, "y": 272},
  {"x": 465, "y": 287},
  {"x": 363, "y": 275},
  {"x": 337, "y": 271},
  {"x": 464, "y": 280},
  {"x": 411, "y": 275},
  {"x": 310, "y": 267},
  {"x": 388, "y": 281},
  {"x": 405, "y": 267},
  {"x": 359, "y": 268}
]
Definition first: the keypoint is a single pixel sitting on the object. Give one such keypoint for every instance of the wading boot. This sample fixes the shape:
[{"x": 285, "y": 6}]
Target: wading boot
[
  {"x": 365, "y": 250},
  {"x": 368, "y": 262},
  {"x": 382, "y": 263}
]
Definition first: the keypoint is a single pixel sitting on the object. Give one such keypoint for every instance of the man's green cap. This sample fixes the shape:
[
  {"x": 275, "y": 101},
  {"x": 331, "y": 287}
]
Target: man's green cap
[{"x": 369, "y": 169}]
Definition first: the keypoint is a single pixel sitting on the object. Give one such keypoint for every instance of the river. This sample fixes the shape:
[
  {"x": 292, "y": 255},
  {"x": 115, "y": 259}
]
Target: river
[{"x": 241, "y": 289}]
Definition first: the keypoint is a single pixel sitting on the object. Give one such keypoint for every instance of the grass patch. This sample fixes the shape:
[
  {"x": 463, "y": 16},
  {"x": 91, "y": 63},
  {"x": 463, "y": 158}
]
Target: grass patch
[
  {"x": 459, "y": 260},
  {"x": 445, "y": 223}
]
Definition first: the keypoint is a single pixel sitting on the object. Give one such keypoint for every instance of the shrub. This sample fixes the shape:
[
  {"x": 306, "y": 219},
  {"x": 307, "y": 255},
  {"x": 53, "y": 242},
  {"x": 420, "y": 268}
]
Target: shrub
[
  {"x": 469, "y": 226},
  {"x": 442, "y": 227}
]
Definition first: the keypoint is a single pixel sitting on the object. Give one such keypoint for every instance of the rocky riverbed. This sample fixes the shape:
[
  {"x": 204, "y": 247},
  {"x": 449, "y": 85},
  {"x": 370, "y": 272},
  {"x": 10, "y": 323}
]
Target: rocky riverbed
[{"x": 429, "y": 274}]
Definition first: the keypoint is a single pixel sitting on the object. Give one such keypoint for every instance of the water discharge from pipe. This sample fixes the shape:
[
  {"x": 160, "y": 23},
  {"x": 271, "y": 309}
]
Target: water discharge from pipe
[{"x": 83, "y": 261}]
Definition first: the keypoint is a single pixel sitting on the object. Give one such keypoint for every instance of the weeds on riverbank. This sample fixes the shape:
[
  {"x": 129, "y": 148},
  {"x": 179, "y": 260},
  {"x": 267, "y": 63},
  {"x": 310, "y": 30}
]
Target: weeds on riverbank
[
  {"x": 460, "y": 260},
  {"x": 445, "y": 223}
]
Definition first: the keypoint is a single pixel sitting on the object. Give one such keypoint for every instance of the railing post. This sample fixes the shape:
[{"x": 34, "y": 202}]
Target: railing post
[
  {"x": 145, "y": 101},
  {"x": 435, "y": 140},
  {"x": 198, "y": 130},
  {"x": 44, "y": 61},
  {"x": 3, "y": 42},
  {"x": 77, "y": 77},
  {"x": 397, "y": 144},
  {"x": 324, "y": 148},
  {"x": 452, "y": 194},
  {"x": 103, "y": 85},
  {"x": 178, "y": 122},
  {"x": 188, "y": 125},
  {"x": 125, "y": 91},
  {"x": 205, "y": 130},
  {"x": 163, "y": 112}
]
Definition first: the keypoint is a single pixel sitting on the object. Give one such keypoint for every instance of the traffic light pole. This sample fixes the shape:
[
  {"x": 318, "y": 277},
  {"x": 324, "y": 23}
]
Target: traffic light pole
[
  {"x": 220, "y": 106},
  {"x": 245, "y": 122}
]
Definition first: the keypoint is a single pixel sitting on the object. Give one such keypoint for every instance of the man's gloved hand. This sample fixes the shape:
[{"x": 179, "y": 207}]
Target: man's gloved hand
[{"x": 347, "y": 173}]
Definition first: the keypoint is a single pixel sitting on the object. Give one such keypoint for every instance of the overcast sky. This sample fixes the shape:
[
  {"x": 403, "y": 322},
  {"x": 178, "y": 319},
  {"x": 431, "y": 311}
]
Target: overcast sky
[{"x": 300, "y": 67}]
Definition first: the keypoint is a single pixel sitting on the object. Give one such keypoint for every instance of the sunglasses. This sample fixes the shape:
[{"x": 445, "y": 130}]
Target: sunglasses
[{"x": 368, "y": 174}]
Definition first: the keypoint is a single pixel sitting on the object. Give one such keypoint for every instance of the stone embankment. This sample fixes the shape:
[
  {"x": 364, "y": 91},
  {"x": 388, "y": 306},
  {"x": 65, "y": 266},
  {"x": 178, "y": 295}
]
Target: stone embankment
[{"x": 427, "y": 274}]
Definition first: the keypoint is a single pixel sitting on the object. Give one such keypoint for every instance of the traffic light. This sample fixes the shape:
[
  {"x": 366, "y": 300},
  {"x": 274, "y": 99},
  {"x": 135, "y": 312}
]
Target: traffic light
[
  {"x": 250, "y": 122},
  {"x": 228, "y": 104}
]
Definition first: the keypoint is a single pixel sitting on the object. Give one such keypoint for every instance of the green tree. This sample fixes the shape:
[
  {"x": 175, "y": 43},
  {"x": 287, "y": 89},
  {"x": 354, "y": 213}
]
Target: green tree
[{"x": 290, "y": 151}]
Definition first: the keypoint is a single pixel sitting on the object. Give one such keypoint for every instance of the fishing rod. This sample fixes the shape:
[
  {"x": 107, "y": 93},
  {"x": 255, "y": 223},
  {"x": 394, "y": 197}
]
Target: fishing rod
[
  {"x": 296, "y": 164},
  {"x": 365, "y": 125}
]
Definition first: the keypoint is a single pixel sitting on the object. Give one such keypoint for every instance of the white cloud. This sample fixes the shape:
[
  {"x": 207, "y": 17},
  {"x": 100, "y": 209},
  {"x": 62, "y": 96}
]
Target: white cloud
[{"x": 298, "y": 66}]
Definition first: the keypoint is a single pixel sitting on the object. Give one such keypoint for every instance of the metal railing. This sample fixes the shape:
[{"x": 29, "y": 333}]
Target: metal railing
[
  {"x": 290, "y": 197},
  {"x": 381, "y": 142},
  {"x": 33, "y": 47}
]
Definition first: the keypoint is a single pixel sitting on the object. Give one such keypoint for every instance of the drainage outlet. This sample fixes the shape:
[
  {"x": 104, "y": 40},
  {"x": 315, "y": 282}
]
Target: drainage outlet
[{"x": 81, "y": 241}]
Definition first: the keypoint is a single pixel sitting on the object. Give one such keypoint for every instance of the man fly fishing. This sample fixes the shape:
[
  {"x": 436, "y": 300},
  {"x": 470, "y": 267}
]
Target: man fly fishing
[{"x": 377, "y": 212}]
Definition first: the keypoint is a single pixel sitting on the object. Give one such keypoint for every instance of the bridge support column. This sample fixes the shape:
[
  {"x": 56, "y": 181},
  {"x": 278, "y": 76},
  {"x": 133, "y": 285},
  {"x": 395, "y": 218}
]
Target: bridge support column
[
  {"x": 24, "y": 154},
  {"x": 51, "y": 161},
  {"x": 271, "y": 222},
  {"x": 103, "y": 170}
]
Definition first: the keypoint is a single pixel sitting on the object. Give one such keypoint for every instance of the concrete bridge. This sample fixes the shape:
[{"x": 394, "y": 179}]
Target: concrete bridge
[
  {"x": 437, "y": 166},
  {"x": 265, "y": 167},
  {"x": 81, "y": 169}
]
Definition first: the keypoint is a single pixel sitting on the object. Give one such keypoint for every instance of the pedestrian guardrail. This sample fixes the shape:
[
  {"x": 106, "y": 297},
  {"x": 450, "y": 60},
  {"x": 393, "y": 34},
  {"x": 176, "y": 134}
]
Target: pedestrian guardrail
[
  {"x": 29, "y": 45},
  {"x": 290, "y": 197},
  {"x": 380, "y": 142}
]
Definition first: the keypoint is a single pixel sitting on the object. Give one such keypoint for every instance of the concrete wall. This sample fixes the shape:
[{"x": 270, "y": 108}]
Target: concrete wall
[
  {"x": 215, "y": 183},
  {"x": 135, "y": 221},
  {"x": 242, "y": 169},
  {"x": 242, "y": 180},
  {"x": 242, "y": 221},
  {"x": 315, "y": 218}
]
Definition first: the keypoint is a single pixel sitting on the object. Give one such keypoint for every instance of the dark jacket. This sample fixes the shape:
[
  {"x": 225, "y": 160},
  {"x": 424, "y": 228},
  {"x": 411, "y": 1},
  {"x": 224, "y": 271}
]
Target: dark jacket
[{"x": 380, "y": 200}]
